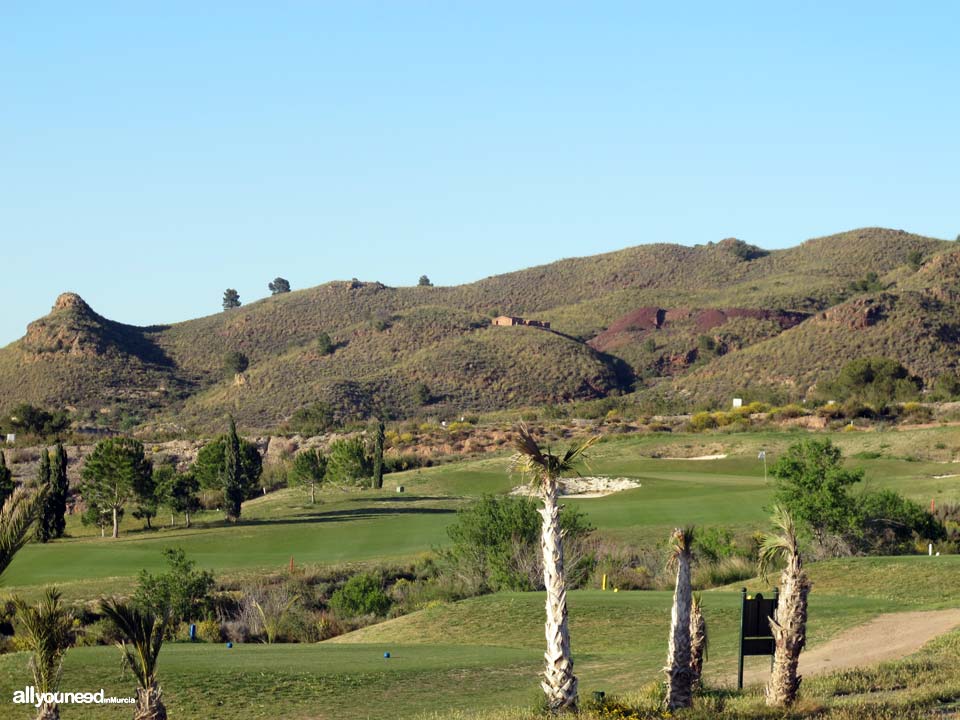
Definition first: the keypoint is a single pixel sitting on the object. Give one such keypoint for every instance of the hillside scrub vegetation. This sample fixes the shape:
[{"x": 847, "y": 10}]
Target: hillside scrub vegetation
[{"x": 733, "y": 320}]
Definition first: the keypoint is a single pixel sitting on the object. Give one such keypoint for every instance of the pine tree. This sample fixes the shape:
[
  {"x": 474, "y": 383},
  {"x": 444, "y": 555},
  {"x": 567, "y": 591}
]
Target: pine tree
[
  {"x": 45, "y": 521},
  {"x": 279, "y": 286},
  {"x": 59, "y": 492},
  {"x": 7, "y": 485},
  {"x": 113, "y": 474},
  {"x": 233, "y": 490},
  {"x": 379, "y": 439},
  {"x": 231, "y": 299},
  {"x": 310, "y": 469}
]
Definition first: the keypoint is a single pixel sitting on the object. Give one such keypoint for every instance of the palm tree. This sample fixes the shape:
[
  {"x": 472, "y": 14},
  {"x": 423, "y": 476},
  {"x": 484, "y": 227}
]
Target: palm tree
[
  {"x": 680, "y": 676},
  {"x": 144, "y": 631},
  {"x": 545, "y": 469},
  {"x": 699, "y": 641},
  {"x": 790, "y": 626},
  {"x": 16, "y": 517},
  {"x": 47, "y": 630}
]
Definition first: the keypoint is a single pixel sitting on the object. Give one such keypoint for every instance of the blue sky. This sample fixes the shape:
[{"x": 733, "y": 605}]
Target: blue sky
[{"x": 152, "y": 155}]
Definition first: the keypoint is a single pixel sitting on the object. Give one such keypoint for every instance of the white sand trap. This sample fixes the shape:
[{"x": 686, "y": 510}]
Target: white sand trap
[
  {"x": 585, "y": 487},
  {"x": 944, "y": 477},
  {"x": 699, "y": 457}
]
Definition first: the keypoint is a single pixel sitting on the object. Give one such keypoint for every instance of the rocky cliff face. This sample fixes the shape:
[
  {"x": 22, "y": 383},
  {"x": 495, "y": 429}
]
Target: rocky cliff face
[{"x": 72, "y": 328}]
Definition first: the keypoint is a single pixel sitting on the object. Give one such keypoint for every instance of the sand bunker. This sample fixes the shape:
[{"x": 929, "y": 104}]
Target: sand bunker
[
  {"x": 585, "y": 487},
  {"x": 699, "y": 457}
]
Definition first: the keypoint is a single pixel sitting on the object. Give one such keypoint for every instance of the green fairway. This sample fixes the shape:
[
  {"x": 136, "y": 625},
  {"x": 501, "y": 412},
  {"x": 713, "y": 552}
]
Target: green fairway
[
  {"x": 373, "y": 525},
  {"x": 297, "y": 681},
  {"x": 479, "y": 653}
]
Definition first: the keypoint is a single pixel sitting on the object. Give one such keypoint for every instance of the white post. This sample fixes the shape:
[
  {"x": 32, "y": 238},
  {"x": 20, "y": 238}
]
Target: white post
[{"x": 930, "y": 549}]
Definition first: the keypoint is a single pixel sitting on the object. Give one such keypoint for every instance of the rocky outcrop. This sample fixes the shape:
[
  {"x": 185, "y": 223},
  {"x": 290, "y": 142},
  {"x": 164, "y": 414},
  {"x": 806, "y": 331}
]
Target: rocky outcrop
[
  {"x": 860, "y": 313},
  {"x": 71, "y": 328},
  {"x": 640, "y": 323}
]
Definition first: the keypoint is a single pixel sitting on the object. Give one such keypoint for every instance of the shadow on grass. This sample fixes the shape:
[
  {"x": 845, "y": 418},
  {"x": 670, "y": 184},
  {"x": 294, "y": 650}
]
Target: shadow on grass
[
  {"x": 345, "y": 515},
  {"x": 405, "y": 499}
]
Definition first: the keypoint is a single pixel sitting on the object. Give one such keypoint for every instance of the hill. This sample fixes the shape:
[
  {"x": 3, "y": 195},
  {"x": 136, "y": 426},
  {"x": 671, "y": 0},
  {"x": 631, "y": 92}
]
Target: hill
[
  {"x": 411, "y": 351},
  {"x": 913, "y": 320}
]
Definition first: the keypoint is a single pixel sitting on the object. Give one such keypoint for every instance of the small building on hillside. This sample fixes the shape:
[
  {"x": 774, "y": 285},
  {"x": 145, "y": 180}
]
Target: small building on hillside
[{"x": 506, "y": 320}]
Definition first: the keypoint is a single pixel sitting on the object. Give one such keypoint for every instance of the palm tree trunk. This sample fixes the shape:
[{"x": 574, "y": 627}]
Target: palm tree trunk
[
  {"x": 559, "y": 683},
  {"x": 313, "y": 494},
  {"x": 48, "y": 711},
  {"x": 188, "y": 519},
  {"x": 698, "y": 641},
  {"x": 149, "y": 705},
  {"x": 679, "y": 673},
  {"x": 789, "y": 634},
  {"x": 116, "y": 525}
]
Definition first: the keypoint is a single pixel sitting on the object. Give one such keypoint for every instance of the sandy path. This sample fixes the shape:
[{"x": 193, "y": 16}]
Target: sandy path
[{"x": 886, "y": 637}]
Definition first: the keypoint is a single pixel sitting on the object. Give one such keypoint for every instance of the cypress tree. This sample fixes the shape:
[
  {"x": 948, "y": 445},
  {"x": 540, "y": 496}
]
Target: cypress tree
[
  {"x": 6, "y": 480},
  {"x": 59, "y": 491},
  {"x": 232, "y": 475},
  {"x": 379, "y": 438},
  {"x": 45, "y": 522}
]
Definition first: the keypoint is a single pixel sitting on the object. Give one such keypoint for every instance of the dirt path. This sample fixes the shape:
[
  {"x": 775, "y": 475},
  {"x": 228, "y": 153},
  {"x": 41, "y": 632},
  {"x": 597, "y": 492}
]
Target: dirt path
[{"x": 886, "y": 637}]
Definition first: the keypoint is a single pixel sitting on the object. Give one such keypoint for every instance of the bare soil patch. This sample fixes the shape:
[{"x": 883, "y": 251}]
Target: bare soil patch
[{"x": 887, "y": 637}]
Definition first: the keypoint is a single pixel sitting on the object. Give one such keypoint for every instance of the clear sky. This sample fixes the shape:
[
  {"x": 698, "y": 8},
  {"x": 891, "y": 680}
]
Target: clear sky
[{"x": 153, "y": 154}]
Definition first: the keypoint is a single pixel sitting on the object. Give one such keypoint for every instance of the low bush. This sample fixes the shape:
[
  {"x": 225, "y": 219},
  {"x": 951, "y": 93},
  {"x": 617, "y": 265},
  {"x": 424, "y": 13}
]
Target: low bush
[{"x": 362, "y": 594}]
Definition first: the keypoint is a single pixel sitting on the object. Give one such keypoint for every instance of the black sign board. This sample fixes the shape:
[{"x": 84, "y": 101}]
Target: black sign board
[{"x": 756, "y": 638}]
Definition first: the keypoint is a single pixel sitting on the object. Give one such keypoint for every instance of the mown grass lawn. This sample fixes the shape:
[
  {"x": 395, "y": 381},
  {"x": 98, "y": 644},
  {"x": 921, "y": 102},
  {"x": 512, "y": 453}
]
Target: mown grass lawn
[
  {"x": 480, "y": 653},
  {"x": 385, "y": 525}
]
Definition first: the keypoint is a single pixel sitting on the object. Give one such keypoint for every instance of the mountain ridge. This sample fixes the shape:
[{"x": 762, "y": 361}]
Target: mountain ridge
[{"x": 726, "y": 298}]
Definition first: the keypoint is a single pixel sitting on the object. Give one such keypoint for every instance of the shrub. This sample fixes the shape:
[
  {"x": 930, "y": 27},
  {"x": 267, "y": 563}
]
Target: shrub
[
  {"x": 891, "y": 523},
  {"x": 312, "y": 419},
  {"x": 723, "y": 572},
  {"x": 235, "y": 363},
  {"x": 37, "y": 421},
  {"x": 361, "y": 595},
  {"x": 788, "y": 412},
  {"x": 702, "y": 421},
  {"x": 209, "y": 631},
  {"x": 496, "y": 544},
  {"x": 875, "y": 381},
  {"x": 916, "y": 412},
  {"x": 348, "y": 462},
  {"x": 183, "y": 591}
]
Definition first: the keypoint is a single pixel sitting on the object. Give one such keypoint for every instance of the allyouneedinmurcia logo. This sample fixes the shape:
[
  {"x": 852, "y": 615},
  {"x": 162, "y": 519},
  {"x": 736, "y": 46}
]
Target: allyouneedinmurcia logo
[{"x": 30, "y": 696}]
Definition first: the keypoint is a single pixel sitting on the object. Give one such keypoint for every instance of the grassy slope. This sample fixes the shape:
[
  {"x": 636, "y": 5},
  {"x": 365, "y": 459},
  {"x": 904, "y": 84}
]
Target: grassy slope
[
  {"x": 478, "y": 653},
  {"x": 428, "y": 327}
]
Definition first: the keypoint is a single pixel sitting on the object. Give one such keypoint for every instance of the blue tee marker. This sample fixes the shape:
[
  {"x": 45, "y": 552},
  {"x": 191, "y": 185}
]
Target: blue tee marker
[
  {"x": 229, "y": 645},
  {"x": 386, "y": 655}
]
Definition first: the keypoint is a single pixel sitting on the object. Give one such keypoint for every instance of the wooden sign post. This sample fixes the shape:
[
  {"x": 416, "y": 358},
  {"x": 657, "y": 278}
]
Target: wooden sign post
[{"x": 756, "y": 638}]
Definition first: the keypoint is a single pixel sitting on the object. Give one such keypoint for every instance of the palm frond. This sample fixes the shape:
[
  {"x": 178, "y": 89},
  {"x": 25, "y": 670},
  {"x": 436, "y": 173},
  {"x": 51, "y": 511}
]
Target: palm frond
[
  {"x": 774, "y": 545},
  {"x": 47, "y": 628},
  {"x": 681, "y": 543},
  {"x": 143, "y": 631},
  {"x": 16, "y": 517},
  {"x": 531, "y": 460}
]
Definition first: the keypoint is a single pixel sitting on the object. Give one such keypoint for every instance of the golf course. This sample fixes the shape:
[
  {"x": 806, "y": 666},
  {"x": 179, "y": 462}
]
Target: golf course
[{"x": 483, "y": 654}]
